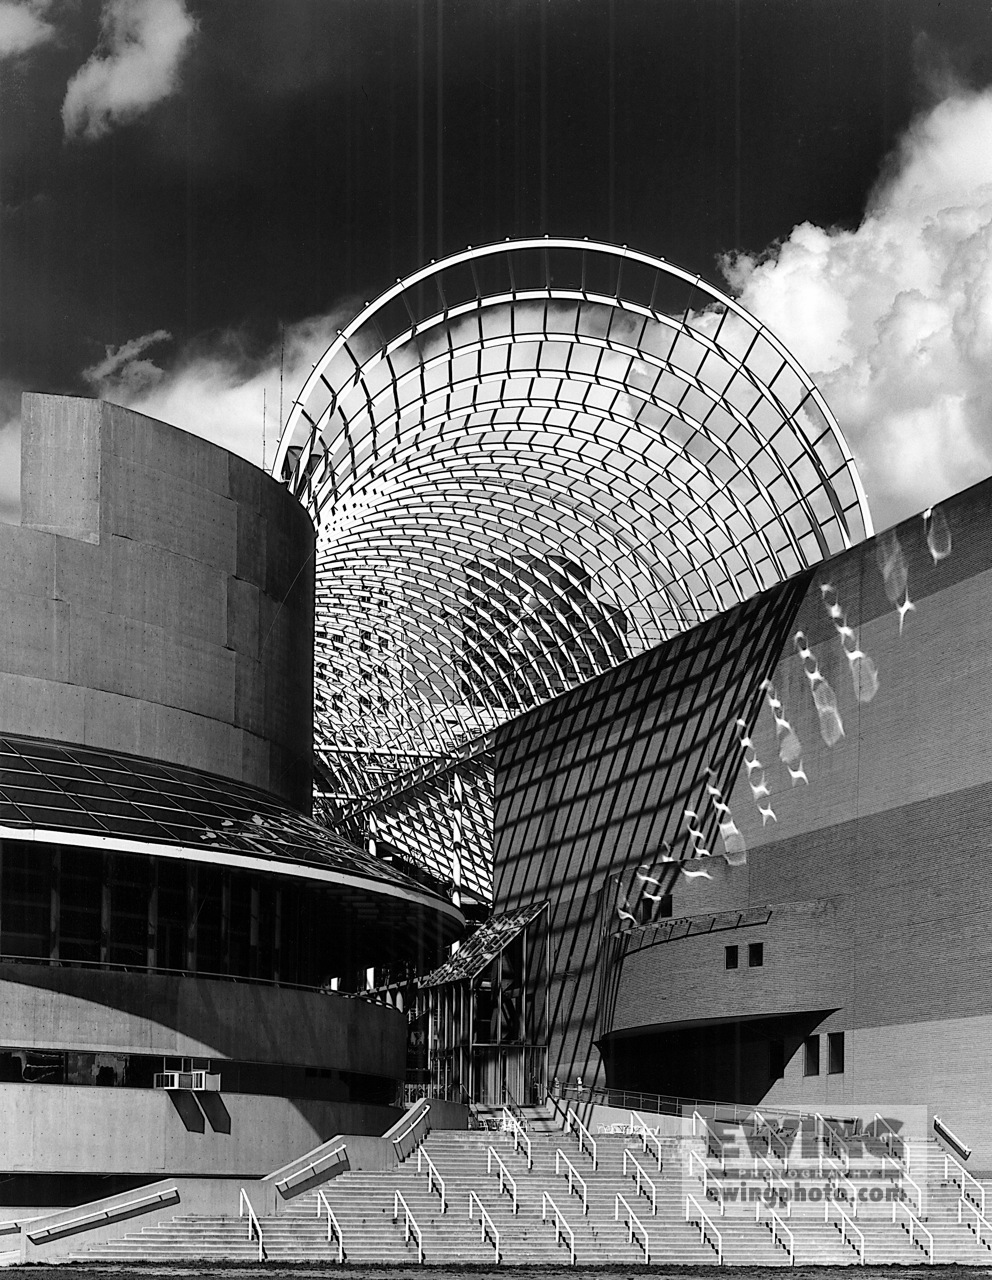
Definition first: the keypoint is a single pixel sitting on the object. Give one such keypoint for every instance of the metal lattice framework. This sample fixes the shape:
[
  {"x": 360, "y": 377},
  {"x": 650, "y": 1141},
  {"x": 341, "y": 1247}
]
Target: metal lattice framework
[{"x": 528, "y": 462}]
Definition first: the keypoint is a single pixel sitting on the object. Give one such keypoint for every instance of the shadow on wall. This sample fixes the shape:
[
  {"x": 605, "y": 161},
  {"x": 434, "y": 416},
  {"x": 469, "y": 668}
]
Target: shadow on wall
[
  {"x": 735, "y": 1059},
  {"x": 188, "y": 1110},
  {"x": 598, "y": 783},
  {"x": 217, "y": 1018},
  {"x": 218, "y": 1116}
]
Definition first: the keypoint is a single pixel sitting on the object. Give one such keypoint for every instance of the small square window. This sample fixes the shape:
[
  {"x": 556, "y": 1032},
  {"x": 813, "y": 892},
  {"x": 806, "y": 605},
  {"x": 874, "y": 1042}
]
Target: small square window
[
  {"x": 755, "y": 955},
  {"x": 730, "y": 957},
  {"x": 811, "y": 1056},
  {"x": 835, "y": 1053}
]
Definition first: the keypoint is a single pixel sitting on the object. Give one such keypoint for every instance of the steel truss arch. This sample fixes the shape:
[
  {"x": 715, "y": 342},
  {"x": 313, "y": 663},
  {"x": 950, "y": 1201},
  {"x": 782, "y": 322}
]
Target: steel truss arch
[{"x": 527, "y": 462}]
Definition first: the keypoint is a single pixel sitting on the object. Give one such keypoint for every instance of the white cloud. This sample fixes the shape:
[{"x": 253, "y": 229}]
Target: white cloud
[
  {"x": 10, "y": 471},
  {"x": 218, "y": 395},
  {"x": 136, "y": 65},
  {"x": 122, "y": 368},
  {"x": 23, "y": 26},
  {"x": 893, "y": 321}
]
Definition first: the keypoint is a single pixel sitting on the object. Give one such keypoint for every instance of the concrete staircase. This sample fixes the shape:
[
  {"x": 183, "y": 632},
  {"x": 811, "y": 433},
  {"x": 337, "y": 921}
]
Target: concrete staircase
[{"x": 363, "y": 1203}]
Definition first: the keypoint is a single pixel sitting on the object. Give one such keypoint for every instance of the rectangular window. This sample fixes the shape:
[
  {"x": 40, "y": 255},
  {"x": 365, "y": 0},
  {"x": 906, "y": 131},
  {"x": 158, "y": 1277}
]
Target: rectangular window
[
  {"x": 730, "y": 957},
  {"x": 811, "y": 1056},
  {"x": 835, "y": 1053},
  {"x": 128, "y": 941},
  {"x": 755, "y": 955},
  {"x": 659, "y": 909},
  {"x": 25, "y": 916},
  {"x": 81, "y": 905},
  {"x": 171, "y": 930},
  {"x": 776, "y": 1059}
]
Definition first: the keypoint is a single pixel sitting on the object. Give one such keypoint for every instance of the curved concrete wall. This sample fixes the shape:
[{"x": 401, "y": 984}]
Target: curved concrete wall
[
  {"x": 158, "y": 599},
  {"x": 63, "y": 1130},
  {"x": 113, "y": 1012}
]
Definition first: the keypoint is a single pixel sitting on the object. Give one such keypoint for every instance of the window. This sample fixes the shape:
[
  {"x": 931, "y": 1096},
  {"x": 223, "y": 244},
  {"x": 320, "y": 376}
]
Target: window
[
  {"x": 730, "y": 957},
  {"x": 656, "y": 909},
  {"x": 811, "y": 1056},
  {"x": 776, "y": 1059},
  {"x": 835, "y": 1053},
  {"x": 755, "y": 955}
]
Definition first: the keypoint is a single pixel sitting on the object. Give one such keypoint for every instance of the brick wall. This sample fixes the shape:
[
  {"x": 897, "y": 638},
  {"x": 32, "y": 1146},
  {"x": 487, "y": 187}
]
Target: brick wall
[{"x": 873, "y": 866}]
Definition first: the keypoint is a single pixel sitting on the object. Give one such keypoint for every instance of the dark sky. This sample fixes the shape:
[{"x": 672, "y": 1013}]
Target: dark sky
[{"x": 317, "y": 149}]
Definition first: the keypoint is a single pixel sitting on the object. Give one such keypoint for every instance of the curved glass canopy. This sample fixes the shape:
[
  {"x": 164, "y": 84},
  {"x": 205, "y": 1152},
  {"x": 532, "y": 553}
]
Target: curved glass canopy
[{"x": 528, "y": 462}]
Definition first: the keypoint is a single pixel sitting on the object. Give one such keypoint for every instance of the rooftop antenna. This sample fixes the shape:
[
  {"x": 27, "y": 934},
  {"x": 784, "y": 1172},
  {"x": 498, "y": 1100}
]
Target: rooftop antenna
[
  {"x": 263, "y": 428},
  {"x": 282, "y": 361}
]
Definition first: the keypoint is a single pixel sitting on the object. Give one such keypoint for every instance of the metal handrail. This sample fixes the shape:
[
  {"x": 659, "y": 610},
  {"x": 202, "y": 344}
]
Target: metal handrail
[
  {"x": 253, "y": 1221},
  {"x": 904, "y": 1178},
  {"x": 513, "y": 1106},
  {"x": 711, "y": 1140},
  {"x": 420, "y": 1118},
  {"x": 704, "y": 1222},
  {"x": 965, "y": 1178},
  {"x": 574, "y": 1178},
  {"x": 847, "y": 1225},
  {"x": 835, "y": 1171},
  {"x": 764, "y": 1127},
  {"x": 942, "y": 1131},
  {"x": 561, "y": 1226},
  {"x": 775, "y": 1179},
  {"x": 829, "y": 1137},
  {"x": 641, "y": 1177},
  {"x": 11, "y": 957},
  {"x": 504, "y": 1173},
  {"x": 640, "y": 1129},
  {"x": 632, "y": 1222},
  {"x": 89, "y": 1218},
  {"x": 512, "y": 1125},
  {"x": 776, "y": 1220},
  {"x": 485, "y": 1221},
  {"x": 332, "y": 1224},
  {"x": 914, "y": 1223},
  {"x": 672, "y": 1104},
  {"x": 305, "y": 1172},
  {"x": 889, "y": 1136},
  {"x": 707, "y": 1179},
  {"x": 409, "y": 1224},
  {"x": 432, "y": 1176},
  {"x": 573, "y": 1121},
  {"x": 980, "y": 1220}
]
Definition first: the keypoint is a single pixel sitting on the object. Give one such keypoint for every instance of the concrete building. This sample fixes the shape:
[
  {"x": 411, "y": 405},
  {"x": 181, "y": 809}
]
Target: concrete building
[{"x": 169, "y": 913}]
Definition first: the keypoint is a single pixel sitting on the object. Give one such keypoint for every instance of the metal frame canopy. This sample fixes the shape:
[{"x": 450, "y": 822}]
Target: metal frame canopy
[{"x": 528, "y": 462}]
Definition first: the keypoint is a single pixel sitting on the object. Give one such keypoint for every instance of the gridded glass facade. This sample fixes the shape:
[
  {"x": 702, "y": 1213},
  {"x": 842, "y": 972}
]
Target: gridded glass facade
[
  {"x": 527, "y": 463},
  {"x": 92, "y": 907}
]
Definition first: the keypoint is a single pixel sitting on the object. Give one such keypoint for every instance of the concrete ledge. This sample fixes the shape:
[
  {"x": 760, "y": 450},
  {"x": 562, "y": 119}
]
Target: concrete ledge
[
  {"x": 98, "y": 1217},
  {"x": 319, "y": 1170}
]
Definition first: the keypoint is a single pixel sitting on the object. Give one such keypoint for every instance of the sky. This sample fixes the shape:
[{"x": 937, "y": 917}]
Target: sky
[{"x": 194, "y": 194}]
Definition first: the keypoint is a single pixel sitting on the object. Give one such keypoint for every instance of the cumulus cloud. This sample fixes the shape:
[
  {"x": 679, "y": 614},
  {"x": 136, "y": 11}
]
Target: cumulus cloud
[
  {"x": 23, "y": 26},
  {"x": 125, "y": 369},
  {"x": 893, "y": 321},
  {"x": 220, "y": 393},
  {"x": 136, "y": 65}
]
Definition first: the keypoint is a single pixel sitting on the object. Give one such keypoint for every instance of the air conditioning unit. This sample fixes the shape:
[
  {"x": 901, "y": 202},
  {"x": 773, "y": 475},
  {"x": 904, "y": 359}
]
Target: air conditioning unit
[{"x": 196, "y": 1081}]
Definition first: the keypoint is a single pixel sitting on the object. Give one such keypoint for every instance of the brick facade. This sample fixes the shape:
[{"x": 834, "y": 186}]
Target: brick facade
[{"x": 872, "y": 874}]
